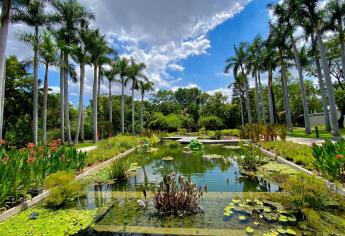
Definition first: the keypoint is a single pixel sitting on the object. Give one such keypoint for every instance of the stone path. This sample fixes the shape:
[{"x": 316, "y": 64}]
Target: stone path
[
  {"x": 188, "y": 139},
  {"x": 87, "y": 149}
]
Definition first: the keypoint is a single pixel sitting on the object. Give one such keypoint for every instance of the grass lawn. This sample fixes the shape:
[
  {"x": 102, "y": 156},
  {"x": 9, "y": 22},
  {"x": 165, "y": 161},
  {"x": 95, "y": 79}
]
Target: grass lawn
[
  {"x": 84, "y": 144},
  {"x": 299, "y": 132}
]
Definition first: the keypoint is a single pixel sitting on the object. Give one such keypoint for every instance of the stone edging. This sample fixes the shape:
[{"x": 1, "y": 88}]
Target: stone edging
[
  {"x": 282, "y": 160},
  {"x": 28, "y": 203}
]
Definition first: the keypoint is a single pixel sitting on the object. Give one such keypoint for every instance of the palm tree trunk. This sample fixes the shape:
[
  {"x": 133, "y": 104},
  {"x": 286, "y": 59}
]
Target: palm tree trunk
[
  {"x": 82, "y": 127},
  {"x": 110, "y": 111},
  {"x": 66, "y": 101},
  {"x": 99, "y": 83},
  {"x": 247, "y": 102},
  {"x": 35, "y": 92},
  {"x": 342, "y": 43},
  {"x": 122, "y": 106},
  {"x": 62, "y": 102},
  {"x": 323, "y": 92},
  {"x": 133, "y": 128},
  {"x": 261, "y": 99},
  {"x": 81, "y": 105},
  {"x": 257, "y": 98},
  {"x": 44, "y": 108},
  {"x": 94, "y": 104},
  {"x": 285, "y": 93},
  {"x": 329, "y": 86},
  {"x": 270, "y": 96},
  {"x": 242, "y": 112},
  {"x": 142, "y": 112},
  {"x": 5, "y": 21},
  {"x": 303, "y": 91}
]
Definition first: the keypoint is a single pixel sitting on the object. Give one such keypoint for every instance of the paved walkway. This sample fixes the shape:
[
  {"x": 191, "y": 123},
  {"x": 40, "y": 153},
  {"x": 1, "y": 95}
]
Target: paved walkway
[{"x": 87, "y": 149}]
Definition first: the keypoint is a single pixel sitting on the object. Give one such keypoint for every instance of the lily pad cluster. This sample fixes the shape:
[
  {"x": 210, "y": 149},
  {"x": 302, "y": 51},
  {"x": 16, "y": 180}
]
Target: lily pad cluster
[
  {"x": 261, "y": 211},
  {"x": 196, "y": 145}
]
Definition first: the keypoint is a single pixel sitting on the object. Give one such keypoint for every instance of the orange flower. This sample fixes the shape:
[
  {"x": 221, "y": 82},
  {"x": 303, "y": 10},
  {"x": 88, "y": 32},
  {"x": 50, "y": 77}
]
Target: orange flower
[
  {"x": 31, "y": 159},
  {"x": 339, "y": 157},
  {"x": 31, "y": 145},
  {"x": 2, "y": 142}
]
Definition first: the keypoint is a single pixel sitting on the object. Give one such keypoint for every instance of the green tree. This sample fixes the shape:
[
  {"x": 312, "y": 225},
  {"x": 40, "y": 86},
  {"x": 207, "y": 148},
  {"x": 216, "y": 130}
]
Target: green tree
[{"x": 143, "y": 87}]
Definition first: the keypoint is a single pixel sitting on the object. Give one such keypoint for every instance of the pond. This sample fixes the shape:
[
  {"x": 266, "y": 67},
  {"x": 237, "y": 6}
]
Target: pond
[{"x": 214, "y": 168}]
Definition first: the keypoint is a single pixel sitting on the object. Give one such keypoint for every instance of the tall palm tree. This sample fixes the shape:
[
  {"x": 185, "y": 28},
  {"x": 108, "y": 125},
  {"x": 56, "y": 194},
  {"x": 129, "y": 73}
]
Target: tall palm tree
[
  {"x": 237, "y": 62},
  {"x": 120, "y": 67},
  {"x": 48, "y": 56},
  {"x": 285, "y": 19},
  {"x": 304, "y": 8},
  {"x": 278, "y": 41},
  {"x": 70, "y": 15},
  {"x": 238, "y": 91},
  {"x": 110, "y": 75},
  {"x": 98, "y": 48},
  {"x": 269, "y": 62},
  {"x": 135, "y": 71},
  {"x": 33, "y": 14},
  {"x": 144, "y": 87},
  {"x": 80, "y": 55}
]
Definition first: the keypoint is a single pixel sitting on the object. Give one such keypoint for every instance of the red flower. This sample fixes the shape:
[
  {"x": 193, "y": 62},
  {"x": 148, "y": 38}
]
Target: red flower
[
  {"x": 339, "y": 157},
  {"x": 31, "y": 159},
  {"x": 40, "y": 149},
  {"x": 2, "y": 142},
  {"x": 31, "y": 145}
]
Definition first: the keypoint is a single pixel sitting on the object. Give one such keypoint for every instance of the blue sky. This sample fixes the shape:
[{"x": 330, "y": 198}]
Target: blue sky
[{"x": 183, "y": 43}]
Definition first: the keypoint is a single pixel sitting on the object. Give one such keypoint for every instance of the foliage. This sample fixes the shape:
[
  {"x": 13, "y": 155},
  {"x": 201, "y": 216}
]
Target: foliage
[
  {"x": 298, "y": 153},
  {"x": 267, "y": 132},
  {"x": 218, "y": 135},
  {"x": 329, "y": 159},
  {"x": 211, "y": 122},
  {"x": 49, "y": 222},
  {"x": 177, "y": 198},
  {"x": 119, "y": 169},
  {"x": 63, "y": 188},
  {"x": 250, "y": 158},
  {"x": 112, "y": 147},
  {"x": 195, "y": 145},
  {"x": 311, "y": 197},
  {"x": 27, "y": 168}
]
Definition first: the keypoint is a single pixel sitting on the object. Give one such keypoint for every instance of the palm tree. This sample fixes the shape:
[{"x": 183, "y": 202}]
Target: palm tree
[
  {"x": 308, "y": 9},
  {"x": 238, "y": 91},
  {"x": 70, "y": 15},
  {"x": 48, "y": 56},
  {"x": 110, "y": 75},
  {"x": 33, "y": 15},
  {"x": 135, "y": 71},
  {"x": 269, "y": 59},
  {"x": 285, "y": 19},
  {"x": 143, "y": 87},
  {"x": 121, "y": 68},
  {"x": 98, "y": 48},
  {"x": 237, "y": 62}
]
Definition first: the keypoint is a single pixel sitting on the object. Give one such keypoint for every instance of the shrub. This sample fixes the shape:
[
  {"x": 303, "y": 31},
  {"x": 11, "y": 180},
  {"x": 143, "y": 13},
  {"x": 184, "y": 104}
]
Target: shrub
[
  {"x": 195, "y": 145},
  {"x": 177, "y": 198},
  {"x": 218, "y": 135},
  {"x": 119, "y": 169},
  {"x": 211, "y": 123},
  {"x": 329, "y": 159},
  {"x": 63, "y": 188},
  {"x": 231, "y": 132},
  {"x": 169, "y": 123}
]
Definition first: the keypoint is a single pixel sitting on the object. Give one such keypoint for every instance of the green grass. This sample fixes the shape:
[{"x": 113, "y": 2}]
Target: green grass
[
  {"x": 84, "y": 144},
  {"x": 299, "y": 132},
  {"x": 298, "y": 153},
  {"x": 111, "y": 147}
]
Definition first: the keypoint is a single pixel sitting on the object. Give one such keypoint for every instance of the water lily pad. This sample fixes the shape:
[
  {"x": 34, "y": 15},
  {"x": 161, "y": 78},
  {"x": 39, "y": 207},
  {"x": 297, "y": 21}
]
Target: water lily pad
[
  {"x": 231, "y": 147},
  {"x": 267, "y": 209},
  {"x": 242, "y": 218},
  {"x": 283, "y": 218},
  {"x": 249, "y": 230},
  {"x": 228, "y": 213},
  {"x": 236, "y": 201},
  {"x": 213, "y": 156},
  {"x": 167, "y": 158}
]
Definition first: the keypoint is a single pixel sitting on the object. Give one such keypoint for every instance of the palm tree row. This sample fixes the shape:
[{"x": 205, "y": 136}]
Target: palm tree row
[
  {"x": 282, "y": 51},
  {"x": 64, "y": 39}
]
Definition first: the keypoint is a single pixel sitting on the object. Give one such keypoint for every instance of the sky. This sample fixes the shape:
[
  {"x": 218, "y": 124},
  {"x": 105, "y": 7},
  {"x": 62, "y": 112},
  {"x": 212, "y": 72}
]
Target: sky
[{"x": 183, "y": 43}]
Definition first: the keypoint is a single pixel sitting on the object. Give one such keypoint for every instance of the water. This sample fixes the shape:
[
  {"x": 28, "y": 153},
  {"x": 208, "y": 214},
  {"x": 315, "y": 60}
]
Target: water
[{"x": 221, "y": 176}]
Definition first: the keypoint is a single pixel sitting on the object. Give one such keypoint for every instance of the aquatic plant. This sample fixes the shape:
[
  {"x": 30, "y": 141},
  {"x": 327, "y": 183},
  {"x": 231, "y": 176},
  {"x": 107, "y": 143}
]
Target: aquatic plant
[
  {"x": 267, "y": 132},
  {"x": 311, "y": 198},
  {"x": 250, "y": 158},
  {"x": 120, "y": 169},
  {"x": 63, "y": 188},
  {"x": 329, "y": 159},
  {"x": 195, "y": 145},
  {"x": 177, "y": 198}
]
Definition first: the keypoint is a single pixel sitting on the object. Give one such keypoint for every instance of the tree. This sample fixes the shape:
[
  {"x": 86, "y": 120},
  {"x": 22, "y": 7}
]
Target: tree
[
  {"x": 237, "y": 62},
  {"x": 70, "y": 15},
  {"x": 285, "y": 17},
  {"x": 143, "y": 87},
  {"x": 48, "y": 56},
  {"x": 135, "y": 72},
  {"x": 33, "y": 14},
  {"x": 110, "y": 75},
  {"x": 121, "y": 68}
]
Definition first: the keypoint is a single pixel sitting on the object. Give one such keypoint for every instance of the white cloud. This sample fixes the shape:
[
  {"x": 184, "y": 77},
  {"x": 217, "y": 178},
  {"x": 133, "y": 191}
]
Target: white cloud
[
  {"x": 225, "y": 91},
  {"x": 190, "y": 85},
  {"x": 158, "y": 33}
]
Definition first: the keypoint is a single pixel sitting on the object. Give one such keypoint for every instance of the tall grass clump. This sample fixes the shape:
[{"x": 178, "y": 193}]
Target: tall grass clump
[{"x": 119, "y": 169}]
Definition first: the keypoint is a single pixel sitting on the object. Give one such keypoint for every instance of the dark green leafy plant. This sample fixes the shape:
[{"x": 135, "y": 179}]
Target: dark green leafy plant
[
  {"x": 195, "y": 145},
  {"x": 250, "y": 158}
]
